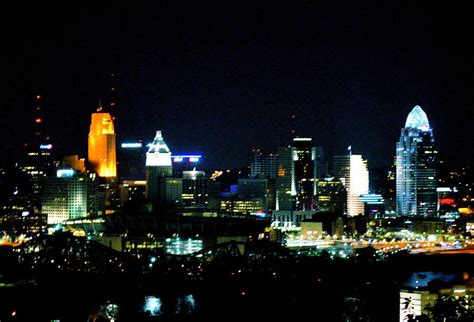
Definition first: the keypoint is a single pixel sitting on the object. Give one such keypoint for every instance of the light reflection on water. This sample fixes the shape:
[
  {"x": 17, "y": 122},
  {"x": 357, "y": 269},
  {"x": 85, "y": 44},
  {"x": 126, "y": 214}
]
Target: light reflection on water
[{"x": 183, "y": 305}]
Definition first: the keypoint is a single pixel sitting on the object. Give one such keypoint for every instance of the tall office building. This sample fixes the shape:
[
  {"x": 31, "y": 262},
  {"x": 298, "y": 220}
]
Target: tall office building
[
  {"x": 352, "y": 171},
  {"x": 101, "y": 148},
  {"x": 321, "y": 163},
  {"x": 416, "y": 167},
  {"x": 332, "y": 195},
  {"x": 285, "y": 190},
  {"x": 195, "y": 189},
  {"x": 131, "y": 165},
  {"x": 38, "y": 160},
  {"x": 263, "y": 165},
  {"x": 71, "y": 195},
  {"x": 158, "y": 166},
  {"x": 257, "y": 188},
  {"x": 304, "y": 158},
  {"x": 295, "y": 184}
]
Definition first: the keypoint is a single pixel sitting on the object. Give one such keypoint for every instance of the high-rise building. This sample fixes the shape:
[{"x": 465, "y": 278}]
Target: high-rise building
[
  {"x": 101, "y": 148},
  {"x": 71, "y": 195},
  {"x": 352, "y": 171},
  {"x": 132, "y": 156},
  {"x": 416, "y": 167},
  {"x": 295, "y": 186},
  {"x": 304, "y": 158},
  {"x": 38, "y": 160},
  {"x": 158, "y": 166},
  {"x": 195, "y": 189},
  {"x": 332, "y": 195},
  {"x": 321, "y": 163},
  {"x": 285, "y": 190},
  {"x": 263, "y": 165},
  {"x": 254, "y": 188}
]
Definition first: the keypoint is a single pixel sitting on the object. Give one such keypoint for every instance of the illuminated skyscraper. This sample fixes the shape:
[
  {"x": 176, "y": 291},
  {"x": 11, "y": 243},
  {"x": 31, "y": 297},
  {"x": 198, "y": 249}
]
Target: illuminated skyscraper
[
  {"x": 102, "y": 148},
  {"x": 352, "y": 171},
  {"x": 158, "y": 165},
  {"x": 416, "y": 167}
]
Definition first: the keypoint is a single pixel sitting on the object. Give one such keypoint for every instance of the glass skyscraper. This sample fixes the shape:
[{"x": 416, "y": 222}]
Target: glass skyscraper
[{"x": 416, "y": 167}]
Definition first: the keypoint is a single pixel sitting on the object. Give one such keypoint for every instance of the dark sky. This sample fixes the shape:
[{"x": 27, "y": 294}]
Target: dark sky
[{"x": 221, "y": 79}]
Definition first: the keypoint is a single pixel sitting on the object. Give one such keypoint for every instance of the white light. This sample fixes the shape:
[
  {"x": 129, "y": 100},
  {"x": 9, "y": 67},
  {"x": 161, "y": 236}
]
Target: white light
[
  {"x": 64, "y": 173},
  {"x": 132, "y": 145}
]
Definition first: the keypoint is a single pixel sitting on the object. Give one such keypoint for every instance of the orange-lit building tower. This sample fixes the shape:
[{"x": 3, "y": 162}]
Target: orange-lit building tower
[{"x": 102, "y": 147}]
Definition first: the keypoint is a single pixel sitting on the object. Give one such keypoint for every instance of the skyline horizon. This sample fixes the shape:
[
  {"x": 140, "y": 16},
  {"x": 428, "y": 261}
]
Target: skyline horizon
[{"x": 220, "y": 82}]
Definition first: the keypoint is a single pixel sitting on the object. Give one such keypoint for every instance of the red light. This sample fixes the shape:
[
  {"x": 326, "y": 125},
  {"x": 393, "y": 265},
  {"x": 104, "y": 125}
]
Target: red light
[
  {"x": 38, "y": 97},
  {"x": 446, "y": 201},
  {"x": 38, "y": 120},
  {"x": 112, "y": 104}
]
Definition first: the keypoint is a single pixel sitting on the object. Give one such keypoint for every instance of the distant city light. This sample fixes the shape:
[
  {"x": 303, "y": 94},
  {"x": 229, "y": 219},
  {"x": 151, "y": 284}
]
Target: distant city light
[
  {"x": 46, "y": 146},
  {"x": 152, "y": 305},
  {"x": 131, "y": 145},
  {"x": 64, "y": 173}
]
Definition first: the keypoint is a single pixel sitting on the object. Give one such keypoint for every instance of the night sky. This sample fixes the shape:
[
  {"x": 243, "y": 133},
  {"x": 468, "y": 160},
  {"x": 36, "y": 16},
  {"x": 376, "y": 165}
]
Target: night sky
[{"x": 221, "y": 79}]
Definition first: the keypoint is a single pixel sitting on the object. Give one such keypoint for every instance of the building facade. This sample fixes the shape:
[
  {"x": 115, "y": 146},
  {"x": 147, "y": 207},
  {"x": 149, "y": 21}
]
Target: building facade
[
  {"x": 416, "y": 167},
  {"x": 101, "y": 145},
  {"x": 352, "y": 171},
  {"x": 71, "y": 195},
  {"x": 158, "y": 166}
]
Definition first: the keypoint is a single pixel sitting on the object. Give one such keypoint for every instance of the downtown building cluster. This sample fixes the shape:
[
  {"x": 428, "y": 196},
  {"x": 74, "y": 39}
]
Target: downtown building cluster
[{"x": 293, "y": 188}]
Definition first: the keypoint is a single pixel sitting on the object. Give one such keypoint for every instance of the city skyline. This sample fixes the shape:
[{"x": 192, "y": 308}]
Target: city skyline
[{"x": 212, "y": 90}]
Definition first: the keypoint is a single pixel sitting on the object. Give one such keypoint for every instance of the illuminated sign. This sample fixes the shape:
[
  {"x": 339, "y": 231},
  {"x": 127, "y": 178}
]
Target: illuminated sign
[
  {"x": 302, "y": 139},
  {"x": 65, "y": 173},
  {"x": 46, "y": 146},
  {"x": 131, "y": 145},
  {"x": 188, "y": 158},
  {"x": 261, "y": 214}
]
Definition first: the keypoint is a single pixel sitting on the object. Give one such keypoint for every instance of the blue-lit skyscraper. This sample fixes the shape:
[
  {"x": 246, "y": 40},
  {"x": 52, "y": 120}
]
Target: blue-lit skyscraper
[{"x": 416, "y": 167}]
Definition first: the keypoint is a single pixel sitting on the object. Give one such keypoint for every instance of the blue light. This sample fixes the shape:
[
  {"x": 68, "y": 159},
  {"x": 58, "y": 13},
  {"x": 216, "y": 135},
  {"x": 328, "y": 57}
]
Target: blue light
[
  {"x": 46, "y": 146},
  {"x": 131, "y": 145},
  {"x": 65, "y": 173},
  {"x": 152, "y": 305},
  {"x": 178, "y": 159}
]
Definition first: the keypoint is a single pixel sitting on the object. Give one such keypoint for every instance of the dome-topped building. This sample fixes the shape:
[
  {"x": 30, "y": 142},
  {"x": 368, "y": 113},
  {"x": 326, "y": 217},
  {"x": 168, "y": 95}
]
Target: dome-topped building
[
  {"x": 417, "y": 119},
  {"x": 416, "y": 167}
]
